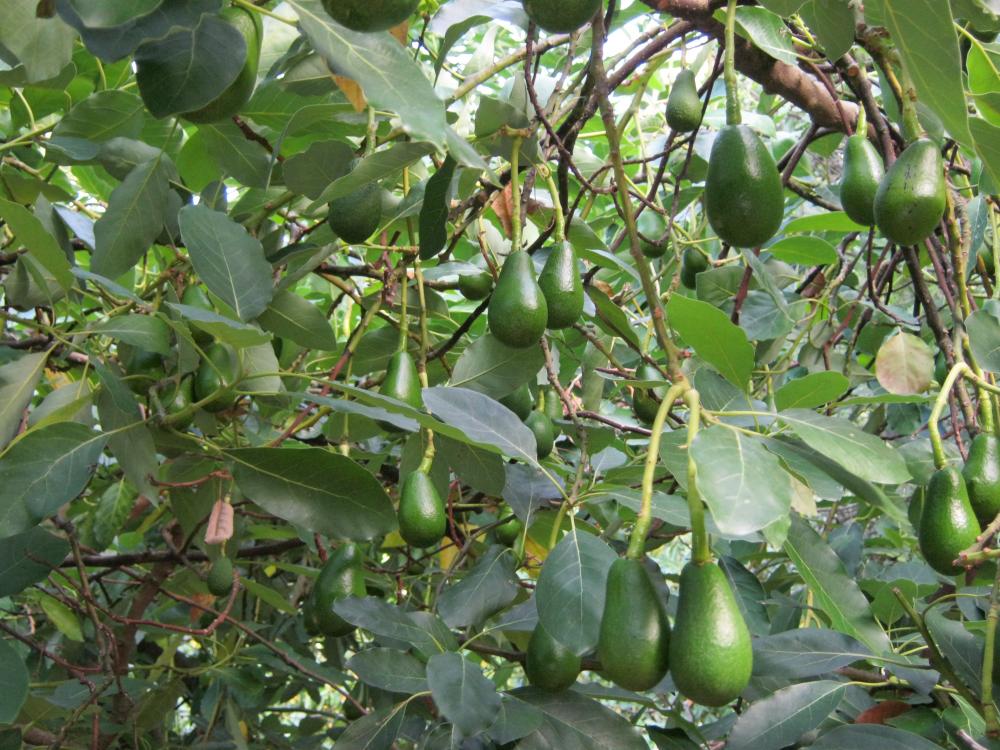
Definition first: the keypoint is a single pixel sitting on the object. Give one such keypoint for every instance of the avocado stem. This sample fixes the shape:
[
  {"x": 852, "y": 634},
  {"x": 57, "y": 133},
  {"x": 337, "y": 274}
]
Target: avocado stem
[
  {"x": 560, "y": 228},
  {"x": 733, "y": 114},
  {"x": 701, "y": 552},
  {"x": 940, "y": 459},
  {"x": 515, "y": 195}
]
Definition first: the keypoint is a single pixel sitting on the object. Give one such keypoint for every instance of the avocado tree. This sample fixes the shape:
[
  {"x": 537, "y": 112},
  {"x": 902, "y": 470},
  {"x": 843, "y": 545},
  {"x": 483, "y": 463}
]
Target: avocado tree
[{"x": 464, "y": 374}]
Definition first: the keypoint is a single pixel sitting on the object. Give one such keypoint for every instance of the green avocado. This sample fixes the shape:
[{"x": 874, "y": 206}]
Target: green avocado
[
  {"x": 175, "y": 397},
  {"x": 634, "y": 640},
  {"x": 561, "y": 285},
  {"x": 561, "y": 16},
  {"x": 220, "y": 577},
  {"x": 982, "y": 477},
  {"x": 143, "y": 368},
  {"x": 216, "y": 375},
  {"x": 402, "y": 383},
  {"x": 355, "y": 217},
  {"x": 475, "y": 286},
  {"x": 370, "y": 15},
  {"x": 519, "y": 401},
  {"x": 553, "y": 408},
  {"x": 910, "y": 200},
  {"x": 710, "y": 654},
  {"x": 693, "y": 262},
  {"x": 859, "y": 182},
  {"x": 644, "y": 401},
  {"x": 518, "y": 312},
  {"x": 341, "y": 576},
  {"x": 683, "y": 104},
  {"x": 422, "y": 516},
  {"x": 545, "y": 434},
  {"x": 653, "y": 250},
  {"x": 231, "y": 101},
  {"x": 744, "y": 197},
  {"x": 549, "y": 665},
  {"x": 948, "y": 524},
  {"x": 507, "y": 533}
]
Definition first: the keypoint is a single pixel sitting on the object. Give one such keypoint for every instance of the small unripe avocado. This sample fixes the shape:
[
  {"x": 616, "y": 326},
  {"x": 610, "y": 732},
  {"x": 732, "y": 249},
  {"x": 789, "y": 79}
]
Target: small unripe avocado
[
  {"x": 683, "y": 104},
  {"x": 216, "y": 376},
  {"x": 692, "y": 263},
  {"x": 910, "y": 200},
  {"x": 541, "y": 426},
  {"x": 342, "y": 576},
  {"x": 402, "y": 383},
  {"x": 518, "y": 312},
  {"x": 507, "y": 533},
  {"x": 560, "y": 283},
  {"x": 519, "y": 401},
  {"x": 220, "y": 577},
  {"x": 370, "y": 15},
  {"x": 475, "y": 286},
  {"x": 653, "y": 250},
  {"x": 948, "y": 524},
  {"x": 859, "y": 183},
  {"x": 422, "y": 516},
  {"x": 644, "y": 403},
  {"x": 355, "y": 217},
  {"x": 549, "y": 665},
  {"x": 982, "y": 477},
  {"x": 143, "y": 368},
  {"x": 561, "y": 16}
]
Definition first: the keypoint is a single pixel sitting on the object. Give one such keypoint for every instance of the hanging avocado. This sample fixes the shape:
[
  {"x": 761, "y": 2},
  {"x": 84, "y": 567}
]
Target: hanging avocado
[
  {"x": 422, "y": 516},
  {"x": 518, "y": 312},
  {"x": 545, "y": 434},
  {"x": 475, "y": 286},
  {"x": 220, "y": 577},
  {"x": 948, "y": 524},
  {"x": 683, "y": 104},
  {"x": 549, "y": 664},
  {"x": 645, "y": 403},
  {"x": 401, "y": 383},
  {"x": 910, "y": 200},
  {"x": 859, "y": 183},
  {"x": 342, "y": 576},
  {"x": 561, "y": 285},
  {"x": 693, "y": 262},
  {"x": 355, "y": 217},
  {"x": 215, "y": 377},
  {"x": 982, "y": 477},
  {"x": 370, "y": 15},
  {"x": 519, "y": 401},
  {"x": 561, "y": 16}
]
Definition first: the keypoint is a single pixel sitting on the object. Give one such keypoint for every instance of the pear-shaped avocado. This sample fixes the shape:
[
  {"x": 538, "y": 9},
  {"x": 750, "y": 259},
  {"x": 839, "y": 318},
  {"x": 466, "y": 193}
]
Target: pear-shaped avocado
[
  {"x": 561, "y": 285},
  {"x": 692, "y": 263},
  {"x": 519, "y": 401},
  {"x": 238, "y": 93},
  {"x": 654, "y": 250},
  {"x": 507, "y": 533},
  {"x": 475, "y": 286},
  {"x": 545, "y": 434},
  {"x": 402, "y": 383},
  {"x": 744, "y": 198},
  {"x": 982, "y": 477},
  {"x": 518, "y": 312},
  {"x": 355, "y": 217},
  {"x": 549, "y": 665},
  {"x": 948, "y": 524},
  {"x": 634, "y": 641},
  {"x": 859, "y": 183},
  {"x": 710, "y": 654},
  {"x": 370, "y": 15},
  {"x": 561, "y": 16},
  {"x": 644, "y": 402},
  {"x": 553, "y": 408},
  {"x": 220, "y": 577},
  {"x": 342, "y": 576},
  {"x": 143, "y": 368},
  {"x": 215, "y": 376},
  {"x": 422, "y": 517},
  {"x": 683, "y": 104},
  {"x": 910, "y": 200}
]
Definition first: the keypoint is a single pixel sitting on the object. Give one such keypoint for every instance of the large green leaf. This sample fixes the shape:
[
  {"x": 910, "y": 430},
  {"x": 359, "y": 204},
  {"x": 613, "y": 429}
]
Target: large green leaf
[
  {"x": 292, "y": 317},
  {"x": 428, "y": 636},
  {"x": 575, "y": 721},
  {"x": 833, "y": 22},
  {"x": 462, "y": 693},
  {"x": 102, "y": 116},
  {"x": 389, "y": 669},
  {"x": 129, "y": 437},
  {"x": 805, "y": 652},
  {"x": 490, "y": 586},
  {"x": 13, "y": 683},
  {"x": 810, "y": 391},
  {"x": 27, "y": 558},
  {"x": 495, "y": 369},
  {"x": 374, "y": 731},
  {"x": 43, "y": 45},
  {"x": 145, "y": 331},
  {"x": 714, "y": 337},
  {"x": 872, "y": 737},
  {"x": 983, "y": 327},
  {"x": 246, "y": 160},
  {"x": 780, "y": 719},
  {"x": 29, "y": 232},
  {"x": 18, "y": 379},
  {"x": 374, "y": 167}
]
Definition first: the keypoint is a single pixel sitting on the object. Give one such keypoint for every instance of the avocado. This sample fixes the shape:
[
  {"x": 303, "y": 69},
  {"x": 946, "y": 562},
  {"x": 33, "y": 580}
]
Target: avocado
[
  {"x": 561, "y": 16},
  {"x": 549, "y": 665},
  {"x": 475, "y": 286},
  {"x": 507, "y": 533},
  {"x": 683, "y": 104},
  {"x": 175, "y": 397},
  {"x": 645, "y": 404},
  {"x": 215, "y": 377},
  {"x": 341, "y": 576},
  {"x": 744, "y": 197},
  {"x": 634, "y": 640},
  {"x": 653, "y": 250},
  {"x": 143, "y": 368},
  {"x": 982, "y": 477},
  {"x": 220, "y": 577},
  {"x": 402, "y": 383},
  {"x": 231, "y": 101},
  {"x": 422, "y": 517},
  {"x": 370, "y": 15},
  {"x": 519, "y": 401},
  {"x": 545, "y": 434},
  {"x": 859, "y": 182},
  {"x": 561, "y": 285},
  {"x": 553, "y": 408},
  {"x": 710, "y": 654},
  {"x": 948, "y": 524},
  {"x": 910, "y": 200},
  {"x": 355, "y": 217},
  {"x": 518, "y": 312},
  {"x": 692, "y": 263}
]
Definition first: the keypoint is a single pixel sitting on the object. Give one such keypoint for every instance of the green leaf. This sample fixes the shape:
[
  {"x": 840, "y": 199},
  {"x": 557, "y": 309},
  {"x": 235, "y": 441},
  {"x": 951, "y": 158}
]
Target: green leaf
[
  {"x": 805, "y": 652},
  {"x": 43, "y": 45},
  {"x": 833, "y": 22},
  {"x": 374, "y": 731},
  {"x": 987, "y": 136},
  {"x": 146, "y": 331},
  {"x": 462, "y": 693},
  {"x": 983, "y": 327},
  {"x": 246, "y": 160},
  {"x": 780, "y": 719},
  {"x": 489, "y": 587},
  {"x": 836, "y": 593},
  {"x": 292, "y": 317},
  {"x": 382, "y": 67},
  {"x": 228, "y": 260},
  {"x": 320, "y": 165},
  {"x": 62, "y": 617},
  {"x": 29, "y": 232},
  {"x": 570, "y": 591},
  {"x": 960, "y": 648},
  {"x": 864, "y": 454},
  {"x": 298, "y": 485},
  {"x": 226, "y": 329},
  {"x": 379, "y": 617},
  {"x": 872, "y": 737},
  {"x": 102, "y": 116},
  {"x": 828, "y": 221},
  {"x": 575, "y": 721},
  {"x": 767, "y": 31},
  {"x": 375, "y": 167},
  {"x": 27, "y": 558},
  {"x": 107, "y": 13},
  {"x": 812, "y": 390},
  {"x": 744, "y": 486},
  {"x": 750, "y": 595},
  {"x": 434, "y": 210},
  {"x": 128, "y": 436},
  {"x": 389, "y": 669},
  {"x": 610, "y": 316},
  {"x": 480, "y": 469},
  {"x": 806, "y": 251},
  {"x": 715, "y": 338},
  {"x": 14, "y": 680},
  {"x": 18, "y": 379},
  {"x": 904, "y": 365},
  {"x": 490, "y": 367}
]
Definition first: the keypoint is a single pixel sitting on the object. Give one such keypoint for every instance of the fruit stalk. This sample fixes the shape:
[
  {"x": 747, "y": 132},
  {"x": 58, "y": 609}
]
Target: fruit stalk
[
  {"x": 733, "y": 115},
  {"x": 428, "y": 458},
  {"x": 701, "y": 553},
  {"x": 560, "y": 228},
  {"x": 940, "y": 460},
  {"x": 515, "y": 195}
]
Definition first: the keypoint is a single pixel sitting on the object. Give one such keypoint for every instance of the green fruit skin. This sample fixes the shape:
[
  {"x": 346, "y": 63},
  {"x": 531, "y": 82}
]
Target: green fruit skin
[
  {"x": 220, "y": 577},
  {"x": 710, "y": 653},
  {"x": 744, "y": 198},
  {"x": 475, "y": 286},
  {"x": 143, "y": 368},
  {"x": 545, "y": 434},
  {"x": 948, "y": 524},
  {"x": 561, "y": 16},
  {"x": 549, "y": 665},
  {"x": 231, "y": 101},
  {"x": 370, "y": 15},
  {"x": 207, "y": 381},
  {"x": 519, "y": 401},
  {"x": 175, "y": 397},
  {"x": 863, "y": 172},
  {"x": 401, "y": 383},
  {"x": 692, "y": 263},
  {"x": 553, "y": 408},
  {"x": 683, "y": 104},
  {"x": 355, "y": 217},
  {"x": 342, "y": 576},
  {"x": 982, "y": 477},
  {"x": 560, "y": 283},
  {"x": 644, "y": 405},
  {"x": 422, "y": 517},
  {"x": 634, "y": 640},
  {"x": 507, "y": 533},
  {"x": 518, "y": 312},
  {"x": 910, "y": 200},
  {"x": 654, "y": 250}
]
